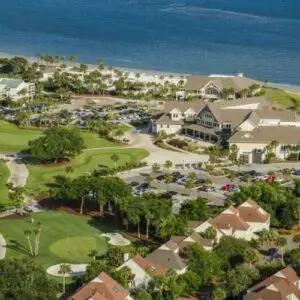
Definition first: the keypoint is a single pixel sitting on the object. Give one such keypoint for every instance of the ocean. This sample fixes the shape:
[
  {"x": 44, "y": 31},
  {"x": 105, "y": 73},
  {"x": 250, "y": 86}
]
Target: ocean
[{"x": 260, "y": 38}]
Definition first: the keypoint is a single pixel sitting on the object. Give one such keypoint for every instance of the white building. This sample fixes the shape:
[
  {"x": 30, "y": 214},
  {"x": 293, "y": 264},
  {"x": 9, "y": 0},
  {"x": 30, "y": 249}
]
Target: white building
[
  {"x": 241, "y": 222},
  {"x": 142, "y": 268},
  {"x": 16, "y": 89}
]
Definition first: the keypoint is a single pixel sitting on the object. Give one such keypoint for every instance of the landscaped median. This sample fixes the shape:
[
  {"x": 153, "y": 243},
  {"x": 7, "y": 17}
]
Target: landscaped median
[{"x": 42, "y": 175}]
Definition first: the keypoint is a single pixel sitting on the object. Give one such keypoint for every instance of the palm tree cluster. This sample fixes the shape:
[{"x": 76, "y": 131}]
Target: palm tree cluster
[{"x": 34, "y": 251}]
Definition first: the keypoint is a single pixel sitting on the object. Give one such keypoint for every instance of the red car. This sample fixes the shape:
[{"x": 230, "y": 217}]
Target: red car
[
  {"x": 227, "y": 187},
  {"x": 271, "y": 178}
]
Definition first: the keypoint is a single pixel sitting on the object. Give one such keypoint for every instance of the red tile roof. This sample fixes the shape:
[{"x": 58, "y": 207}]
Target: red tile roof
[
  {"x": 146, "y": 264},
  {"x": 253, "y": 213},
  {"x": 103, "y": 287}
]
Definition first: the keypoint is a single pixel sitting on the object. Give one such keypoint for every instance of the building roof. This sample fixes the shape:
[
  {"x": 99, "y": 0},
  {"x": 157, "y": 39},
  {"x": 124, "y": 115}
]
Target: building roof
[
  {"x": 146, "y": 264},
  {"x": 277, "y": 286},
  {"x": 184, "y": 105},
  {"x": 266, "y": 134},
  {"x": 184, "y": 242},
  {"x": 11, "y": 82},
  {"x": 251, "y": 212},
  {"x": 166, "y": 120},
  {"x": 230, "y": 219},
  {"x": 282, "y": 115},
  {"x": 103, "y": 287},
  {"x": 236, "y": 82},
  {"x": 167, "y": 258}
]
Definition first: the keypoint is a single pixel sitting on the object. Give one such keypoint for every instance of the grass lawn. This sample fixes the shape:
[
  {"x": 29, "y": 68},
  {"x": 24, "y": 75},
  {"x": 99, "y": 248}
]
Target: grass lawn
[
  {"x": 40, "y": 175},
  {"x": 64, "y": 238},
  {"x": 4, "y": 175},
  {"x": 14, "y": 139},
  {"x": 280, "y": 97}
]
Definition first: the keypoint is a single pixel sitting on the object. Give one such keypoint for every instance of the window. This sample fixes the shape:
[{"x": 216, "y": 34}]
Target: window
[
  {"x": 168, "y": 126},
  {"x": 226, "y": 125}
]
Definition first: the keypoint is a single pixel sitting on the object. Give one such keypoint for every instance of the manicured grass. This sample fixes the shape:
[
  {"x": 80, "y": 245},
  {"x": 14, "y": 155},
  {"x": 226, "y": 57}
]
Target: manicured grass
[
  {"x": 64, "y": 238},
  {"x": 4, "y": 175},
  {"x": 280, "y": 97},
  {"x": 41, "y": 175},
  {"x": 14, "y": 139}
]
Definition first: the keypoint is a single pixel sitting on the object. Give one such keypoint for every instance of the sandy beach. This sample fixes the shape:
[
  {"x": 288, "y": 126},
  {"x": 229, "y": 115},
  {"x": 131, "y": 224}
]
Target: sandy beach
[{"x": 293, "y": 89}]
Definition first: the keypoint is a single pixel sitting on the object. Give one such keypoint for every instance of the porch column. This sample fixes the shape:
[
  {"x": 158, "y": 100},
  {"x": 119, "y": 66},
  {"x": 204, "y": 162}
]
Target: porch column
[{"x": 194, "y": 133}]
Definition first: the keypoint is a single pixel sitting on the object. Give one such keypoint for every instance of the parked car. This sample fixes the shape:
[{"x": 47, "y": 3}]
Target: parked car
[
  {"x": 206, "y": 188},
  {"x": 160, "y": 177},
  {"x": 272, "y": 252},
  {"x": 134, "y": 184},
  {"x": 228, "y": 187},
  {"x": 270, "y": 178}
]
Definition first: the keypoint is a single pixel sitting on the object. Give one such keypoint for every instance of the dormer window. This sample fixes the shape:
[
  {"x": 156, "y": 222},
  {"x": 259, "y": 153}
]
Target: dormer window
[{"x": 226, "y": 125}]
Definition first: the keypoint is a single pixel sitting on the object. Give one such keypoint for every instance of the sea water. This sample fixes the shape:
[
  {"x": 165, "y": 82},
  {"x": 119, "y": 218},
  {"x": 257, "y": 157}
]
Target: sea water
[{"x": 260, "y": 38}]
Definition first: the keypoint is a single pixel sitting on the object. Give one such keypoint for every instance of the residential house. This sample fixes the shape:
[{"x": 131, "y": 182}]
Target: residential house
[
  {"x": 143, "y": 268},
  {"x": 183, "y": 242},
  {"x": 211, "y": 87},
  {"x": 167, "y": 256},
  {"x": 283, "y": 285},
  {"x": 241, "y": 222},
  {"x": 103, "y": 287},
  {"x": 16, "y": 89}
]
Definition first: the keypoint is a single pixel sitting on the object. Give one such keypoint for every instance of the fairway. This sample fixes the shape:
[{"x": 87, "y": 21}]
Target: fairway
[
  {"x": 14, "y": 139},
  {"x": 64, "y": 238},
  {"x": 40, "y": 175},
  {"x": 4, "y": 175}
]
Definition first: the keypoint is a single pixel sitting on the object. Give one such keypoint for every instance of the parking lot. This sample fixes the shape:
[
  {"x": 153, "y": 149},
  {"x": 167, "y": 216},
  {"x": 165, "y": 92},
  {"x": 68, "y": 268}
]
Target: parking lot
[{"x": 216, "y": 189}]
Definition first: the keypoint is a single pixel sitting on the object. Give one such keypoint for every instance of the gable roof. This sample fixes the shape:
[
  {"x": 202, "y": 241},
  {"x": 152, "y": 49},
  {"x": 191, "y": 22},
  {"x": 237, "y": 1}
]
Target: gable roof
[
  {"x": 184, "y": 105},
  {"x": 103, "y": 287},
  {"x": 167, "y": 258},
  {"x": 146, "y": 264},
  {"x": 277, "y": 286},
  {"x": 236, "y": 82},
  {"x": 266, "y": 134},
  {"x": 250, "y": 211}
]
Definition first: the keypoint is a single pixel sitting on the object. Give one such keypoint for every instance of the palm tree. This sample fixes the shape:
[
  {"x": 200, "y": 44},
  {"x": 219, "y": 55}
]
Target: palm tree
[
  {"x": 189, "y": 184},
  {"x": 155, "y": 168},
  {"x": 192, "y": 176},
  {"x": 37, "y": 233},
  {"x": 168, "y": 180},
  {"x": 115, "y": 158},
  {"x": 168, "y": 164},
  {"x": 27, "y": 234},
  {"x": 281, "y": 242},
  {"x": 64, "y": 269},
  {"x": 251, "y": 256},
  {"x": 93, "y": 254},
  {"x": 149, "y": 179},
  {"x": 286, "y": 173}
]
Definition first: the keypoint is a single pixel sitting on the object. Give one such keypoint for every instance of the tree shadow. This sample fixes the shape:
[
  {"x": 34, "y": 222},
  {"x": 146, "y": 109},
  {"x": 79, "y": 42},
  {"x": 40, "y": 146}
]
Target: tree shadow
[{"x": 16, "y": 246}]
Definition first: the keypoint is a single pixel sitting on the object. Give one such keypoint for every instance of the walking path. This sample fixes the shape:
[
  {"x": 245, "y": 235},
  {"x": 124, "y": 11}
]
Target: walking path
[
  {"x": 2, "y": 247},
  {"x": 18, "y": 172}
]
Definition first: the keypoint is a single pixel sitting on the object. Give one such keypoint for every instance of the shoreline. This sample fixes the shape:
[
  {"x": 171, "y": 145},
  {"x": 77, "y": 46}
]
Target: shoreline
[{"x": 289, "y": 88}]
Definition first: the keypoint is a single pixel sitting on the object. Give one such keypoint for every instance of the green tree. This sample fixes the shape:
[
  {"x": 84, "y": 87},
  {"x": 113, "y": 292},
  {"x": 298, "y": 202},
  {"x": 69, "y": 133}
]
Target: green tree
[
  {"x": 192, "y": 282},
  {"x": 143, "y": 295},
  {"x": 56, "y": 144},
  {"x": 27, "y": 234},
  {"x": 189, "y": 184},
  {"x": 65, "y": 270},
  {"x": 24, "y": 279},
  {"x": 239, "y": 279},
  {"x": 281, "y": 242},
  {"x": 149, "y": 179},
  {"x": 95, "y": 268},
  {"x": 219, "y": 293},
  {"x": 115, "y": 158},
  {"x": 168, "y": 179},
  {"x": 204, "y": 263},
  {"x": 293, "y": 256},
  {"x": 155, "y": 168},
  {"x": 210, "y": 233},
  {"x": 296, "y": 238},
  {"x": 124, "y": 276},
  {"x": 196, "y": 210},
  {"x": 231, "y": 251},
  {"x": 251, "y": 256},
  {"x": 168, "y": 164}
]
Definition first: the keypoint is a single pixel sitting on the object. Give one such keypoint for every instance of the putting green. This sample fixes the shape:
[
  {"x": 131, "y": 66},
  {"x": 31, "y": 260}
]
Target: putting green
[{"x": 78, "y": 248}]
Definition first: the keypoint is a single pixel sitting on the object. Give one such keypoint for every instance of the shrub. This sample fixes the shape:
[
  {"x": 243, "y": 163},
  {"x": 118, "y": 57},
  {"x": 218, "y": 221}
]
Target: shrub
[{"x": 296, "y": 238}]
